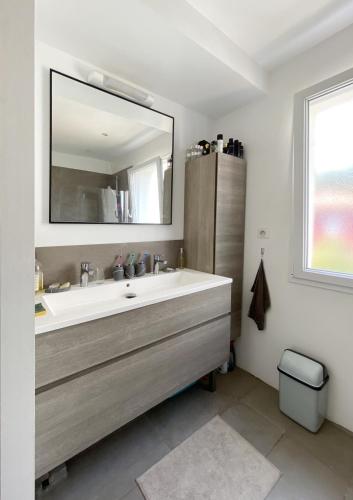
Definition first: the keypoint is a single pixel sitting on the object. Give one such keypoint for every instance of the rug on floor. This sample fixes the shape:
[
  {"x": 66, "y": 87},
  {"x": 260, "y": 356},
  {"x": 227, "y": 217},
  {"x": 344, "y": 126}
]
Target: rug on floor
[{"x": 214, "y": 463}]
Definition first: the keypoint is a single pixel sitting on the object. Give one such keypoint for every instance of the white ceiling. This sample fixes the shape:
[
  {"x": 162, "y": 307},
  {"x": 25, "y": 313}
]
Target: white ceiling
[
  {"x": 211, "y": 55},
  {"x": 88, "y": 131},
  {"x": 262, "y": 28},
  {"x": 91, "y": 123}
]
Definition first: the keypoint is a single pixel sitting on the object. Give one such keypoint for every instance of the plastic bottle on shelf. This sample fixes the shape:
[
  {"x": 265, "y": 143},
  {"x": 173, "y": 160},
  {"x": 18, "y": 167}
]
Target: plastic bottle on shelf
[
  {"x": 230, "y": 148},
  {"x": 38, "y": 276},
  {"x": 181, "y": 258},
  {"x": 220, "y": 143}
]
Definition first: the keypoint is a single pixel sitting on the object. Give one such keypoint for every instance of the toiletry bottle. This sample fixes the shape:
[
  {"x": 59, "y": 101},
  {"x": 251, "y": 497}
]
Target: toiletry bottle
[
  {"x": 38, "y": 276},
  {"x": 188, "y": 154},
  {"x": 220, "y": 143},
  {"x": 230, "y": 148},
  {"x": 181, "y": 258},
  {"x": 214, "y": 147},
  {"x": 205, "y": 147},
  {"x": 236, "y": 147}
]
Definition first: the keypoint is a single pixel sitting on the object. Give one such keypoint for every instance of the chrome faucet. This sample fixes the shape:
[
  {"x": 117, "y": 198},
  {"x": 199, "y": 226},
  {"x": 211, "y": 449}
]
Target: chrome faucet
[
  {"x": 157, "y": 263},
  {"x": 85, "y": 272}
]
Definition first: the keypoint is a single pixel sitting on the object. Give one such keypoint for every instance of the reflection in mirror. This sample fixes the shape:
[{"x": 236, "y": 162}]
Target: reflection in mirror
[{"x": 111, "y": 159}]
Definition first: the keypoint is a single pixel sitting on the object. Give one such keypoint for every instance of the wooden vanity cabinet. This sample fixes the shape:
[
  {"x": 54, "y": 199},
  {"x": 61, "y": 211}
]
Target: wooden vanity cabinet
[
  {"x": 214, "y": 218},
  {"x": 95, "y": 377}
]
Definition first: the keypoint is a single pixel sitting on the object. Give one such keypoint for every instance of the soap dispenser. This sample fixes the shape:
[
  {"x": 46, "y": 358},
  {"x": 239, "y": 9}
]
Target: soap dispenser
[{"x": 38, "y": 276}]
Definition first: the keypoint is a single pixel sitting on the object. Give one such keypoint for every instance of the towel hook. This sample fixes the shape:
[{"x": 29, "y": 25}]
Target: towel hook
[{"x": 262, "y": 252}]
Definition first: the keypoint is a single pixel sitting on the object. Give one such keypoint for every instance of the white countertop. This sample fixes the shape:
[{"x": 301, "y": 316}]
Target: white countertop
[{"x": 80, "y": 305}]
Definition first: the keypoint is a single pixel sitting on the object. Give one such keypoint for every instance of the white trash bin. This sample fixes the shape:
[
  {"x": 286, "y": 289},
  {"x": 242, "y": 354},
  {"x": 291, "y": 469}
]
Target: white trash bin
[{"x": 303, "y": 389}]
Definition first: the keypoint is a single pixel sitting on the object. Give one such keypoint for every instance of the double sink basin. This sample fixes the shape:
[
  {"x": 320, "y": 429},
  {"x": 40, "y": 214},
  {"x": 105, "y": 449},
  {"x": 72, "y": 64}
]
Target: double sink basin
[{"x": 79, "y": 305}]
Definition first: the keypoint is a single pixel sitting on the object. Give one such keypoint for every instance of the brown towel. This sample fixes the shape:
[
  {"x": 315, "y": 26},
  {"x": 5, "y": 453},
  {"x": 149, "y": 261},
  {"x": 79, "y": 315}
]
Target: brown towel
[{"x": 261, "y": 298}]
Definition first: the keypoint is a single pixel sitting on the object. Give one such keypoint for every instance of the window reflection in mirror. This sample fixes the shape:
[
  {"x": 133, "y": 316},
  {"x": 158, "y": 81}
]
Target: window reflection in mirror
[{"x": 111, "y": 159}]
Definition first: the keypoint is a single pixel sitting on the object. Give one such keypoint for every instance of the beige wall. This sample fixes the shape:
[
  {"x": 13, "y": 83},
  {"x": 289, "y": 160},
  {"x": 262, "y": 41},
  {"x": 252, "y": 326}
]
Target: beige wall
[{"x": 63, "y": 263}]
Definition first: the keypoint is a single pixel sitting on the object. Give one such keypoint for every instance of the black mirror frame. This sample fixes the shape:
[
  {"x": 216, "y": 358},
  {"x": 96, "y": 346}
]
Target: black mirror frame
[{"x": 53, "y": 71}]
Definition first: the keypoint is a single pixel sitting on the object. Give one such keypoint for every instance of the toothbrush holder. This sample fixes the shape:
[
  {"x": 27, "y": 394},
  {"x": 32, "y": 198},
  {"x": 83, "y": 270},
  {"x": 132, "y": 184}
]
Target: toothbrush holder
[
  {"x": 140, "y": 269},
  {"x": 129, "y": 271},
  {"x": 118, "y": 273}
]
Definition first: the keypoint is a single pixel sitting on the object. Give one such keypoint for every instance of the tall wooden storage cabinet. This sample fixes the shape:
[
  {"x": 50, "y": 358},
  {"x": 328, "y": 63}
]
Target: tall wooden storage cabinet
[{"x": 214, "y": 221}]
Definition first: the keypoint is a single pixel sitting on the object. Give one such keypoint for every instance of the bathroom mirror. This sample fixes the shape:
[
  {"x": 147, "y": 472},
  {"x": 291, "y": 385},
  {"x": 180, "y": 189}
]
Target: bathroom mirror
[{"x": 111, "y": 159}]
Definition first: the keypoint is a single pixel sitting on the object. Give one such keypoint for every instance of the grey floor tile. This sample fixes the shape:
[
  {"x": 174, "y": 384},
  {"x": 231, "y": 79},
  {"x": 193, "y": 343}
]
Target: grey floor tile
[
  {"x": 331, "y": 445},
  {"x": 349, "y": 494},
  {"x": 180, "y": 416},
  {"x": 304, "y": 477},
  {"x": 254, "y": 427},
  {"x": 314, "y": 466},
  {"x": 264, "y": 399},
  {"x": 135, "y": 494},
  {"x": 108, "y": 470},
  {"x": 237, "y": 383},
  {"x": 283, "y": 490}
]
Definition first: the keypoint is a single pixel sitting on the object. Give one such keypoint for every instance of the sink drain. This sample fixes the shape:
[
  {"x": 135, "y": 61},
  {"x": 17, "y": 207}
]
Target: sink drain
[{"x": 130, "y": 295}]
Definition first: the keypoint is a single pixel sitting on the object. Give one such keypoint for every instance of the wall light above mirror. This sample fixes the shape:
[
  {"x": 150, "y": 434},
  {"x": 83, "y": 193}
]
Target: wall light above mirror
[{"x": 111, "y": 159}]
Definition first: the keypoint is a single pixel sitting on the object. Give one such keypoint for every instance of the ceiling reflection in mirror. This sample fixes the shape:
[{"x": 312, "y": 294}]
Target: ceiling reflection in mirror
[{"x": 111, "y": 158}]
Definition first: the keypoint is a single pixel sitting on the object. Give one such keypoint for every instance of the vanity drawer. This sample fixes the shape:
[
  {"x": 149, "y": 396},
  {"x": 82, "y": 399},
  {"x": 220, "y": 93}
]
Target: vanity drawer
[
  {"x": 67, "y": 351},
  {"x": 73, "y": 415}
]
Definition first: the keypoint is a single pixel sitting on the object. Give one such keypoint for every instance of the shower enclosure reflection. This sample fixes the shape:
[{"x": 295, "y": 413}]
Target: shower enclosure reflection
[{"x": 111, "y": 159}]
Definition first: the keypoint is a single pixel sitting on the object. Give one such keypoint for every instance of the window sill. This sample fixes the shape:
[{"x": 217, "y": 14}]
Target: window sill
[{"x": 320, "y": 283}]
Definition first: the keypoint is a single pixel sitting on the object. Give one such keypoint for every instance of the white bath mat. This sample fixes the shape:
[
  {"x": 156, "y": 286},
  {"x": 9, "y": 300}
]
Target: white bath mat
[{"x": 215, "y": 463}]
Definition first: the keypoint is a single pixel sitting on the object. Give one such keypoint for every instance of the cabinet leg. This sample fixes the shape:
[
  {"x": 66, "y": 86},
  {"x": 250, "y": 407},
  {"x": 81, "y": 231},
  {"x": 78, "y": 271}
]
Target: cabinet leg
[
  {"x": 50, "y": 480},
  {"x": 211, "y": 386}
]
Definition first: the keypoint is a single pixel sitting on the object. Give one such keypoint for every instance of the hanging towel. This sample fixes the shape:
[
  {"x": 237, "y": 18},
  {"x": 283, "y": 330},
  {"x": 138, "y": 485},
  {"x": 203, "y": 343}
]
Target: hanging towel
[{"x": 261, "y": 298}]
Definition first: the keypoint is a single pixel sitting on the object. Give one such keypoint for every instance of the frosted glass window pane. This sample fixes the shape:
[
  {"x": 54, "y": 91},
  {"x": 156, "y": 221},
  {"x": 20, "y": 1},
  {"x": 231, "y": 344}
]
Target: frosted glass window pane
[{"x": 330, "y": 193}]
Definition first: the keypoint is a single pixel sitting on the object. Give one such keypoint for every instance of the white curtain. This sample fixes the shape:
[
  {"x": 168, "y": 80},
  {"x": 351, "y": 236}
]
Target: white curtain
[
  {"x": 146, "y": 188},
  {"x": 108, "y": 203}
]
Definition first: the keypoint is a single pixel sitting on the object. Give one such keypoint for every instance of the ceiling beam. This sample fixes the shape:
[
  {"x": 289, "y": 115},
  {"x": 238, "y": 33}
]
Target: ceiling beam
[{"x": 197, "y": 28}]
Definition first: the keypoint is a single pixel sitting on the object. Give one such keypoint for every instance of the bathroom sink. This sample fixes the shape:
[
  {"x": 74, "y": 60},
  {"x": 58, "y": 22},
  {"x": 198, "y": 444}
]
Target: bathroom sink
[{"x": 112, "y": 297}]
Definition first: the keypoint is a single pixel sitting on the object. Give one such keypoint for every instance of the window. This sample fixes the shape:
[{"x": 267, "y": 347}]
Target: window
[
  {"x": 323, "y": 183},
  {"x": 145, "y": 184}
]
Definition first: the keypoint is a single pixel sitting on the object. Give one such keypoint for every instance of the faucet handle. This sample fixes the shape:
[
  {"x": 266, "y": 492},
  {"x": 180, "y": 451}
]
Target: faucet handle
[{"x": 85, "y": 266}]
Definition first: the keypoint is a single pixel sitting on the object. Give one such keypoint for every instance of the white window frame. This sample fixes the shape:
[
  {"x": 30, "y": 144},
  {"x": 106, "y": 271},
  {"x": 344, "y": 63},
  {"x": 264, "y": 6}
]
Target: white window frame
[{"x": 300, "y": 183}]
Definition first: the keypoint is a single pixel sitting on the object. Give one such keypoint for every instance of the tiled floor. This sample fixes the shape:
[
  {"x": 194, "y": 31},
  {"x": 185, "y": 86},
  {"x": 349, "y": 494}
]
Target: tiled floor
[{"x": 314, "y": 467}]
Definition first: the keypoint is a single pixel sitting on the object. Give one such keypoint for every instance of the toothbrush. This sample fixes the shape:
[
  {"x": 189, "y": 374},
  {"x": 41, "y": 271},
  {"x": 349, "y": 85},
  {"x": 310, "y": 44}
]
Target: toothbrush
[
  {"x": 131, "y": 259},
  {"x": 118, "y": 261}
]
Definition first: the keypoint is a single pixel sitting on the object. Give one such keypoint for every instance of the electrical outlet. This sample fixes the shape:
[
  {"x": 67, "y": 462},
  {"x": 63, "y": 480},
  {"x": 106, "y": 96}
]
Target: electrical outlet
[{"x": 262, "y": 234}]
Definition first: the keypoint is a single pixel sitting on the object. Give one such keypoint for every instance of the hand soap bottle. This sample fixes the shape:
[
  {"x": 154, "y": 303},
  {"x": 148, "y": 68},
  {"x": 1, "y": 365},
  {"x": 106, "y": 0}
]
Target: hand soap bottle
[
  {"x": 38, "y": 276},
  {"x": 181, "y": 259}
]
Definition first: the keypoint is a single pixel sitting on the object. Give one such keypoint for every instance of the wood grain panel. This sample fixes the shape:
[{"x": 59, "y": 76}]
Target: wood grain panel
[
  {"x": 199, "y": 215},
  {"x": 72, "y": 416},
  {"x": 64, "y": 352},
  {"x": 230, "y": 219}
]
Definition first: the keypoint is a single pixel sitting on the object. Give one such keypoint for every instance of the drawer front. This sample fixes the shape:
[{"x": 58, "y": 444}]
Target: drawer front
[
  {"x": 73, "y": 415},
  {"x": 64, "y": 352}
]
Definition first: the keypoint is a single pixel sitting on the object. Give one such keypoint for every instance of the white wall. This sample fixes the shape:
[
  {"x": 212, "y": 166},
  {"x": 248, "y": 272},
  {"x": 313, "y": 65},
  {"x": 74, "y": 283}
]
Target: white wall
[
  {"x": 315, "y": 321},
  {"x": 17, "y": 250},
  {"x": 158, "y": 147},
  {"x": 189, "y": 127},
  {"x": 78, "y": 162}
]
